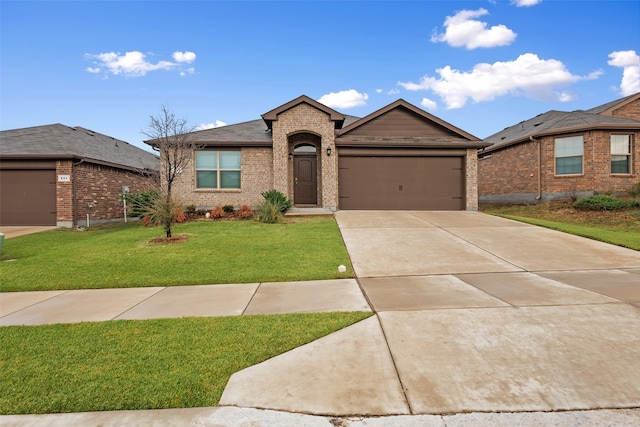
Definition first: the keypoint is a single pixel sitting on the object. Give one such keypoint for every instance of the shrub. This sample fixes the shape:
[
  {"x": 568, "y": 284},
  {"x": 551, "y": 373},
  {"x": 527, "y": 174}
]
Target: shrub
[
  {"x": 217, "y": 213},
  {"x": 634, "y": 203},
  {"x": 599, "y": 203},
  {"x": 276, "y": 198},
  {"x": 227, "y": 208},
  {"x": 190, "y": 209},
  {"x": 245, "y": 212},
  {"x": 635, "y": 190},
  {"x": 140, "y": 204},
  {"x": 269, "y": 212}
]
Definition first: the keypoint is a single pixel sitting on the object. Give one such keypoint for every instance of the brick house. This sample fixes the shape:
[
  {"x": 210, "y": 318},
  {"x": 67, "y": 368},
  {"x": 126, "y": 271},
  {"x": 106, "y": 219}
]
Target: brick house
[
  {"x": 399, "y": 157},
  {"x": 64, "y": 176},
  {"x": 561, "y": 155}
]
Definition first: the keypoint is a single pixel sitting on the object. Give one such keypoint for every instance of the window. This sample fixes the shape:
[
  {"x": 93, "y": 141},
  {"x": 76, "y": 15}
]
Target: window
[
  {"x": 568, "y": 154},
  {"x": 217, "y": 169},
  {"x": 621, "y": 154}
]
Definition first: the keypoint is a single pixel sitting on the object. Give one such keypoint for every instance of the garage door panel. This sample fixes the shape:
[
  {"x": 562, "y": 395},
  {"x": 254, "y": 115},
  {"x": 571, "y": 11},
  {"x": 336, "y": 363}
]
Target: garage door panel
[
  {"x": 28, "y": 197},
  {"x": 412, "y": 183}
]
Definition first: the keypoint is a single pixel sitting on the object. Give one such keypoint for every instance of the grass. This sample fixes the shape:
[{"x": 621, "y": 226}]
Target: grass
[
  {"x": 620, "y": 228},
  {"x": 304, "y": 248},
  {"x": 148, "y": 364}
]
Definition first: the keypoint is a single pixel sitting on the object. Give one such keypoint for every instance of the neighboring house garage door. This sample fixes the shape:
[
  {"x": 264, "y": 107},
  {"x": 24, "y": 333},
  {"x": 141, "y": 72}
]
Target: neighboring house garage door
[
  {"x": 398, "y": 182},
  {"x": 28, "y": 197}
]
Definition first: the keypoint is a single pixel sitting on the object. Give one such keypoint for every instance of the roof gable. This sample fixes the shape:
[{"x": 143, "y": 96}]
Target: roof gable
[
  {"x": 402, "y": 119},
  {"x": 271, "y": 116},
  {"x": 608, "y": 108},
  {"x": 58, "y": 141}
]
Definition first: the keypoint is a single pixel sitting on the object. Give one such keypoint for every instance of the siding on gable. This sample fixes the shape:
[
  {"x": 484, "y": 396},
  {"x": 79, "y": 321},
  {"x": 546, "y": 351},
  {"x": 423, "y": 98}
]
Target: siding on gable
[{"x": 401, "y": 122}]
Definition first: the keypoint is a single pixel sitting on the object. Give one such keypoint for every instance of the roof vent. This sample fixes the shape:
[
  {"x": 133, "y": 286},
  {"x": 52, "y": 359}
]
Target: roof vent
[{"x": 537, "y": 124}]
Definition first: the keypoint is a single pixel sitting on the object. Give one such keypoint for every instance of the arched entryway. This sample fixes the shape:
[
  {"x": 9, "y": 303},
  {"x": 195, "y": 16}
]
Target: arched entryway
[{"x": 305, "y": 174}]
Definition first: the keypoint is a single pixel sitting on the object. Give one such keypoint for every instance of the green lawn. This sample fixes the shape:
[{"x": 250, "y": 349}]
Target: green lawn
[
  {"x": 302, "y": 248},
  {"x": 148, "y": 364}
]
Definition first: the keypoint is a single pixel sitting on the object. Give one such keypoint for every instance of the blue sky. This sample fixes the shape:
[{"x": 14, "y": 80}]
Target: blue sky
[{"x": 480, "y": 65}]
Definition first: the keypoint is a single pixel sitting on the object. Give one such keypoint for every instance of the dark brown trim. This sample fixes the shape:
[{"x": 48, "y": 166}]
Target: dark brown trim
[
  {"x": 399, "y": 152},
  {"x": 409, "y": 143}
]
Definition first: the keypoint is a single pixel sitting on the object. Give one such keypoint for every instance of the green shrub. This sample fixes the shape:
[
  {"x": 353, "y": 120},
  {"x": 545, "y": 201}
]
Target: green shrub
[
  {"x": 600, "y": 203},
  {"x": 635, "y": 190},
  {"x": 276, "y": 198},
  {"x": 269, "y": 212},
  {"x": 190, "y": 209},
  {"x": 140, "y": 204},
  {"x": 227, "y": 208},
  {"x": 634, "y": 203}
]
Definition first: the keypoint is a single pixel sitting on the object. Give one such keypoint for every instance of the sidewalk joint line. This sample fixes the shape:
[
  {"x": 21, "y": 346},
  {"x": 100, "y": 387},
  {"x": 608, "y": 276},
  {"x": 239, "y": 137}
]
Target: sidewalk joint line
[
  {"x": 251, "y": 299},
  {"x": 139, "y": 302}
]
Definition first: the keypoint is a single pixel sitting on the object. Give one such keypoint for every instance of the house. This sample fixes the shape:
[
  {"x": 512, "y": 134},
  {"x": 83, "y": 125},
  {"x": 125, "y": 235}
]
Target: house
[
  {"x": 562, "y": 155},
  {"x": 399, "y": 157},
  {"x": 68, "y": 176}
]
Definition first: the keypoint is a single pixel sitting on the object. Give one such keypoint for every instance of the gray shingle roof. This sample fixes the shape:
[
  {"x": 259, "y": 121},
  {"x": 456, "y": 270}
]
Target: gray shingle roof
[
  {"x": 558, "y": 122},
  {"x": 60, "y": 141},
  {"x": 251, "y": 132}
]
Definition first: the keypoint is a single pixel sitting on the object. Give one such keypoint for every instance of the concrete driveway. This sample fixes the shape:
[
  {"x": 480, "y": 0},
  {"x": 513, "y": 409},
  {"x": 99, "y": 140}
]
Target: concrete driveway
[{"x": 473, "y": 313}]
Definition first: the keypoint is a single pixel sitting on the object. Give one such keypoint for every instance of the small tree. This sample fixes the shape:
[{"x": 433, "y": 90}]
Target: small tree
[{"x": 171, "y": 137}]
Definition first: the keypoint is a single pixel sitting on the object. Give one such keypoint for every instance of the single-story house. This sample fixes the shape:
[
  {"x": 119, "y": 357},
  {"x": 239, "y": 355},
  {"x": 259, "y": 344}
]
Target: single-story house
[
  {"x": 68, "y": 176},
  {"x": 563, "y": 155},
  {"x": 399, "y": 157}
]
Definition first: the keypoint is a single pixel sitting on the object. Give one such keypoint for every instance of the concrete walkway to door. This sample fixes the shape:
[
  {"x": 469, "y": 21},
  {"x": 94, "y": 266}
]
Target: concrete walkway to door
[{"x": 473, "y": 313}]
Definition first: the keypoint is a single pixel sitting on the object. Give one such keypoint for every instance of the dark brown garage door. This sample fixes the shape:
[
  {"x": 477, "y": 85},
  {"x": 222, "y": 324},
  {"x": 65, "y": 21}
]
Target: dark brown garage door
[
  {"x": 28, "y": 197},
  {"x": 411, "y": 183}
]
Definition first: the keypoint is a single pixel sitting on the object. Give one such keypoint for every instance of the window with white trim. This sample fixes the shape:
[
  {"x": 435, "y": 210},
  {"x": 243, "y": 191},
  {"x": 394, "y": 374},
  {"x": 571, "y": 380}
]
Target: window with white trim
[
  {"x": 219, "y": 169},
  {"x": 620, "y": 154},
  {"x": 568, "y": 154}
]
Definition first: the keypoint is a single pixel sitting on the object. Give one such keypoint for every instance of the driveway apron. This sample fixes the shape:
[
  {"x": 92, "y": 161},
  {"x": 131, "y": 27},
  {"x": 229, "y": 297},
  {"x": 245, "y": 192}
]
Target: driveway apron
[{"x": 473, "y": 313}]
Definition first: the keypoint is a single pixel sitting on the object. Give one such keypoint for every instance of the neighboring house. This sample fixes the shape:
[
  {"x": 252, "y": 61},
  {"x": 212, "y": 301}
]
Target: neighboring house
[
  {"x": 562, "y": 155},
  {"x": 64, "y": 176},
  {"x": 399, "y": 157}
]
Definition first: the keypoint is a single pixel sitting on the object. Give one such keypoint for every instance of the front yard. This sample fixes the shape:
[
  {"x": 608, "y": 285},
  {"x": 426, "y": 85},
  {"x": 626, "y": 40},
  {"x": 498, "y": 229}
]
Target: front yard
[{"x": 119, "y": 256}]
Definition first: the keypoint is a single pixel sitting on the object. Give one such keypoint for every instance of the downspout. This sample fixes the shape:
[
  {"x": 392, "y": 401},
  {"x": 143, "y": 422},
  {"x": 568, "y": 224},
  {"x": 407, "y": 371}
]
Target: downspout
[
  {"x": 74, "y": 196},
  {"x": 531, "y": 138}
]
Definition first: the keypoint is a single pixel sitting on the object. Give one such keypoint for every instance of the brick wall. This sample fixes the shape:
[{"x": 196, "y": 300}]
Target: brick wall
[
  {"x": 510, "y": 175},
  {"x": 629, "y": 111},
  {"x": 304, "y": 118},
  {"x": 101, "y": 187},
  {"x": 471, "y": 179},
  {"x": 64, "y": 194},
  {"x": 256, "y": 176}
]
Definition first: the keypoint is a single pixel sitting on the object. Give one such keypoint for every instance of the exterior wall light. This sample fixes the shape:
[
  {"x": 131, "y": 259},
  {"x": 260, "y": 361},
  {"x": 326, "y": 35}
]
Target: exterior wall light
[
  {"x": 290, "y": 156},
  {"x": 329, "y": 151}
]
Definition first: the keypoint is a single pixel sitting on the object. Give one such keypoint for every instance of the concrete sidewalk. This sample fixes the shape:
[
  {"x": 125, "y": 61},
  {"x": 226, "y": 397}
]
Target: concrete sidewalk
[{"x": 95, "y": 305}]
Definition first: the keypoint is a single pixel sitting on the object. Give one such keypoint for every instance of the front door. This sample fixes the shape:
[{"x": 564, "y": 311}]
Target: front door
[{"x": 305, "y": 181}]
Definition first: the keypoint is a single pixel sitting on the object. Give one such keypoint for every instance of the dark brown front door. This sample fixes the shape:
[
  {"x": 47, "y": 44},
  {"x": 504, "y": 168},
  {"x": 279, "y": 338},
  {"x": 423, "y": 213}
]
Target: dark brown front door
[{"x": 305, "y": 180}]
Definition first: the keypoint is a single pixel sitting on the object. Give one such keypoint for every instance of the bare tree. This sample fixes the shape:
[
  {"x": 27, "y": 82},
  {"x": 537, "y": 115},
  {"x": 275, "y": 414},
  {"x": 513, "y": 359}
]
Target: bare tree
[{"x": 171, "y": 137}]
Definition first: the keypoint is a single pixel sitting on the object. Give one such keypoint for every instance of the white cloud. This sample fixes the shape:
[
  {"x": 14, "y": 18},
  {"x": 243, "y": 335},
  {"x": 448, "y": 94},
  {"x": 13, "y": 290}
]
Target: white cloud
[
  {"x": 187, "y": 71},
  {"x": 378, "y": 90},
  {"x": 134, "y": 63},
  {"x": 528, "y": 75},
  {"x": 429, "y": 104},
  {"x": 393, "y": 92},
  {"x": 205, "y": 126},
  {"x": 629, "y": 61},
  {"x": 187, "y": 57},
  {"x": 344, "y": 99},
  {"x": 462, "y": 29},
  {"x": 525, "y": 3}
]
